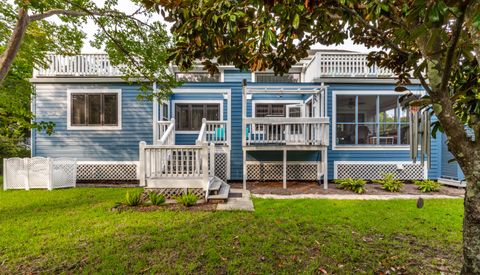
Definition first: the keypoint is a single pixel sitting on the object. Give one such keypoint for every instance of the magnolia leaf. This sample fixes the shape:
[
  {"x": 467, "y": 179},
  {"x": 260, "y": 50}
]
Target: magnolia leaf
[
  {"x": 401, "y": 89},
  {"x": 296, "y": 21}
]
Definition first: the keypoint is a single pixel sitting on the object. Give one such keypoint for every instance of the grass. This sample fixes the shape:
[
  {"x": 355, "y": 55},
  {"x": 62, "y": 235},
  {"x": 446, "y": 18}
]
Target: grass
[{"x": 74, "y": 231}]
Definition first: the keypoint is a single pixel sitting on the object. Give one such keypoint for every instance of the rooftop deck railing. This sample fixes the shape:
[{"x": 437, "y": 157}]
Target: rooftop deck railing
[{"x": 322, "y": 65}]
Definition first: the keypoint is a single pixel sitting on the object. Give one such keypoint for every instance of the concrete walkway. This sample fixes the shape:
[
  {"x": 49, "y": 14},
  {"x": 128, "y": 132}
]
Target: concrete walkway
[
  {"x": 237, "y": 204},
  {"x": 354, "y": 197}
]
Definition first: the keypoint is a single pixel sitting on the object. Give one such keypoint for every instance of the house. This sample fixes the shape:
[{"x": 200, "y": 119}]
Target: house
[{"x": 330, "y": 117}]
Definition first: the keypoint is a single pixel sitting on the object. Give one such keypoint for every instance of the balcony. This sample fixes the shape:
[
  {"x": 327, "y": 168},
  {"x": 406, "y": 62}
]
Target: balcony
[{"x": 295, "y": 131}]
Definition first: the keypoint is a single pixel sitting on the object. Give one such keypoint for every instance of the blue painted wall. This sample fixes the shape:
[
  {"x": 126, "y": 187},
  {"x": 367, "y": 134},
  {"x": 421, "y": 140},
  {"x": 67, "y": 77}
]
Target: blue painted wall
[
  {"x": 121, "y": 145},
  {"x": 50, "y": 105}
]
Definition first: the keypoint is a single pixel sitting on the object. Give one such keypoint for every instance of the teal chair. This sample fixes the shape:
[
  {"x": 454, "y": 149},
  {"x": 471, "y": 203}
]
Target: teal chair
[{"x": 219, "y": 134}]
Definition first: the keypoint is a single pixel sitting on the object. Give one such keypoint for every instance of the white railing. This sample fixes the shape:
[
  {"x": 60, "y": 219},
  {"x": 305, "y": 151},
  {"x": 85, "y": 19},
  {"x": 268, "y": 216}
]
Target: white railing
[
  {"x": 96, "y": 65},
  {"x": 286, "y": 131},
  {"x": 215, "y": 132},
  {"x": 176, "y": 162},
  {"x": 331, "y": 64},
  {"x": 343, "y": 65},
  {"x": 166, "y": 132}
]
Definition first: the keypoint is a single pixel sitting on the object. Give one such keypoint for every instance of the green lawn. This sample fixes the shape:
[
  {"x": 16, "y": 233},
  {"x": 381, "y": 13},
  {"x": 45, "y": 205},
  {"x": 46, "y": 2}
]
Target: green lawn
[{"x": 74, "y": 231}]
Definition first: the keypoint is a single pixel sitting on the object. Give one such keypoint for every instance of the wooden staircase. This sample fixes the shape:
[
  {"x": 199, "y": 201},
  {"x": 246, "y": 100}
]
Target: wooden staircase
[{"x": 218, "y": 190}]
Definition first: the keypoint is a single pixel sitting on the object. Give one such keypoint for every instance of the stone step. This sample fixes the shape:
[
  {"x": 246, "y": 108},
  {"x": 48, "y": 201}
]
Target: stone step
[
  {"x": 222, "y": 193},
  {"x": 214, "y": 185}
]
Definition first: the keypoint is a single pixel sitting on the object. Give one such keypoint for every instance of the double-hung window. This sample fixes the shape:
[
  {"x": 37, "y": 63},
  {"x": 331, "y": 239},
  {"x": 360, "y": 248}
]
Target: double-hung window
[
  {"x": 94, "y": 110},
  {"x": 188, "y": 117},
  {"x": 373, "y": 120}
]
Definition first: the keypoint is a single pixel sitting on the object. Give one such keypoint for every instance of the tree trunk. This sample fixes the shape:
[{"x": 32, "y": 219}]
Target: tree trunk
[
  {"x": 471, "y": 222},
  {"x": 7, "y": 57}
]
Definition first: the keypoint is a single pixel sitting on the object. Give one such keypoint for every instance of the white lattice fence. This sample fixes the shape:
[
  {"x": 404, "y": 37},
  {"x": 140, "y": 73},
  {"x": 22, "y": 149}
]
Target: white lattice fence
[
  {"x": 274, "y": 171},
  {"x": 38, "y": 173},
  {"x": 376, "y": 171},
  {"x": 87, "y": 172}
]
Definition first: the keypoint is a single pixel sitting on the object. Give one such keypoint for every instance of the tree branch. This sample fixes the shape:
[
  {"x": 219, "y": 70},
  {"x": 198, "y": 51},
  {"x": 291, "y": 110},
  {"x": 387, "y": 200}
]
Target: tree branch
[
  {"x": 457, "y": 30},
  {"x": 7, "y": 57},
  {"x": 41, "y": 16}
]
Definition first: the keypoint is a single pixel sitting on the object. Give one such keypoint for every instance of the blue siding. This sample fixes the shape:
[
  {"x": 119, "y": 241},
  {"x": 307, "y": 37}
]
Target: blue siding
[
  {"x": 236, "y": 76},
  {"x": 51, "y": 105},
  {"x": 449, "y": 169}
]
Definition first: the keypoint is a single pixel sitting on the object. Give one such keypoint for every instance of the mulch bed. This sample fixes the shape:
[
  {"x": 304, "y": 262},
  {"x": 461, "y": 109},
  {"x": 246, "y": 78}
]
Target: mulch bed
[
  {"x": 302, "y": 187},
  {"x": 171, "y": 206}
]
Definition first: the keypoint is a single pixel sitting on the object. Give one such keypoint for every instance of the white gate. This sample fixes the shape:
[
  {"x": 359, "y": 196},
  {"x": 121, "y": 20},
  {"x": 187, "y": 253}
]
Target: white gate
[{"x": 39, "y": 172}]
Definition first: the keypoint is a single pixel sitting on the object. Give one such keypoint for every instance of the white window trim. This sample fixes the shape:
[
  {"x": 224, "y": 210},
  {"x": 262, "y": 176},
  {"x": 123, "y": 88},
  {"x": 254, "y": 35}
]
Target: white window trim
[
  {"x": 94, "y": 91},
  {"x": 186, "y": 101},
  {"x": 271, "y": 101},
  {"x": 339, "y": 162},
  {"x": 362, "y": 147}
]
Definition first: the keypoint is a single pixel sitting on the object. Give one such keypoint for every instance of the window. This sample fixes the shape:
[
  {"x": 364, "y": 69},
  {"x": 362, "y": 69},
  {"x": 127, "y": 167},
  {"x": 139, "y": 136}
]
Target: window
[
  {"x": 188, "y": 117},
  {"x": 272, "y": 78},
  {"x": 269, "y": 110},
  {"x": 164, "y": 111},
  {"x": 370, "y": 120},
  {"x": 197, "y": 77},
  {"x": 94, "y": 109}
]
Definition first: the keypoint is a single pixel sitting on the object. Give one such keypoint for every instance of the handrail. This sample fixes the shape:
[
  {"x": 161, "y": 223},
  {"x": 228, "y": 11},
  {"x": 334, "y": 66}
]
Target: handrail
[
  {"x": 287, "y": 120},
  {"x": 214, "y": 131},
  {"x": 168, "y": 135},
  {"x": 201, "y": 134}
]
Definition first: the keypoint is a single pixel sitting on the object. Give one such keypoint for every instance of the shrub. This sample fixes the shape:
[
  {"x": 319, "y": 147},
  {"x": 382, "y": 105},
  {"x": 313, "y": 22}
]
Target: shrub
[
  {"x": 133, "y": 198},
  {"x": 427, "y": 186},
  {"x": 389, "y": 183},
  {"x": 187, "y": 200},
  {"x": 156, "y": 199},
  {"x": 355, "y": 185}
]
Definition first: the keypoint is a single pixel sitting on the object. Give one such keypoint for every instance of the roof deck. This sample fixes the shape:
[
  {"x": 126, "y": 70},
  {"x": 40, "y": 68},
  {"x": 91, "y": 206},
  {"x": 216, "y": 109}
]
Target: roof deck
[{"x": 319, "y": 64}]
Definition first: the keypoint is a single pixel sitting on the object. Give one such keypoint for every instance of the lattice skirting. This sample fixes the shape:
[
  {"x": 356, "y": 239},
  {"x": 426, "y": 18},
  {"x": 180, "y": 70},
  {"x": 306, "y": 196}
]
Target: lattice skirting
[
  {"x": 127, "y": 171},
  {"x": 171, "y": 193},
  {"x": 376, "y": 171},
  {"x": 274, "y": 171},
  {"x": 221, "y": 165}
]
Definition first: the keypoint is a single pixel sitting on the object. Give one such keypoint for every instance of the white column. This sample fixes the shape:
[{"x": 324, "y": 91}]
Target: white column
[
  {"x": 284, "y": 169},
  {"x": 325, "y": 168},
  {"x": 155, "y": 115},
  {"x": 141, "y": 162},
  {"x": 244, "y": 169}
]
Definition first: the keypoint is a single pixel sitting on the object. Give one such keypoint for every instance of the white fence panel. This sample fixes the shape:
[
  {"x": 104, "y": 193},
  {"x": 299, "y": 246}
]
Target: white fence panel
[
  {"x": 64, "y": 173},
  {"x": 39, "y": 172}
]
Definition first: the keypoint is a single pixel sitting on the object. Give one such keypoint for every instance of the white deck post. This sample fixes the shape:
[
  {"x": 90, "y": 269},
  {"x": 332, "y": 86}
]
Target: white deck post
[
  {"x": 244, "y": 169},
  {"x": 205, "y": 172},
  {"x": 284, "y": 169},
  {"x": 325, "y": 168},
  {"x": 212, "y": 159},
  {"x": 155, "y": 116},
  {"x": 244, "y": 132},
  {"x": 141, "y": 163}
]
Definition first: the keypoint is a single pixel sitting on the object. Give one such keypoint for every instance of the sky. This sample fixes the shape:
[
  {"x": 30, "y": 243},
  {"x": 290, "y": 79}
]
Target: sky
[{"x": 125, "y": 5}]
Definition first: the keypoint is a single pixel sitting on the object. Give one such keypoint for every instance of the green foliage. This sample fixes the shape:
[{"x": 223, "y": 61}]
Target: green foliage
[
  {"x": 135, "y": 38},
  {"x": 355, "y": 185},
  {"x": 156, "y": 199},
  {"x": 389, "y": 183},
  {"x": 133, "y": 198},
  {"x": 426, "y": 186},
  {"x": 188, "y": 199}
]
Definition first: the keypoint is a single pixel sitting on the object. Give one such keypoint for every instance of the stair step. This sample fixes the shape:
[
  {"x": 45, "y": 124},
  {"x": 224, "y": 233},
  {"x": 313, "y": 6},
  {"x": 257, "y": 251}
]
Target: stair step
[
  {"x": 215, "y": 184},
  {"x": 222, "y": 193}
]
